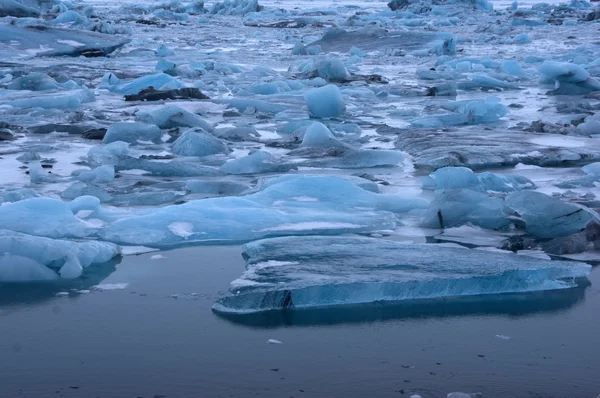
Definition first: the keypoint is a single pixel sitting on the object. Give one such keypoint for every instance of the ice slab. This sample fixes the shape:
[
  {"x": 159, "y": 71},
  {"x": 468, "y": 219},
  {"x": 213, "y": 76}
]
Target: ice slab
[
  {"x": 17, "y": 41},
  {"x": 465, "y": 178},
  {"x": 293, "y": 273},
  {"x": 280, "y": 208},
  {"x": 197, "y": 142}
]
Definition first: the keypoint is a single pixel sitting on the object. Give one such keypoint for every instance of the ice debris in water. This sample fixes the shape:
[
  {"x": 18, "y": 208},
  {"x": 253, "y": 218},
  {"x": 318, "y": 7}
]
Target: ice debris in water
[
  {"x": 173, "y": 116},
  {"x": 465, "y": 112},
  {"x": 27, "y": 258},
  {"x": 465, "y": 178},
  {"x": 324, "y": 102},
  {"x": 548, "y": 217},
  {"x": 339, "y": 206},
  {"x": 569, "y": 79},
  {"x": 316, "y": 271},
  {"x": 197, "y": 142},
  {"x": 132, "y": 133}
]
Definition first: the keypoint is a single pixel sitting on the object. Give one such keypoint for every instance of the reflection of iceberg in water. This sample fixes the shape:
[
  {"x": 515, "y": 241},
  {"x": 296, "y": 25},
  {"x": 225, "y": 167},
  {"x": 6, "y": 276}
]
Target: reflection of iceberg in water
[
  {"x": 37, "y": 292},
  {"x": 305, "y": 273},
  {"x": 513, "y": 305}
]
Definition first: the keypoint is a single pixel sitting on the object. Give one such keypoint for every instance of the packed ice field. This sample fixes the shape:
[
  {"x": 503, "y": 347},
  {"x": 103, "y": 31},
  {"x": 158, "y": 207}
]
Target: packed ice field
[{"x": 361, "y": 151}]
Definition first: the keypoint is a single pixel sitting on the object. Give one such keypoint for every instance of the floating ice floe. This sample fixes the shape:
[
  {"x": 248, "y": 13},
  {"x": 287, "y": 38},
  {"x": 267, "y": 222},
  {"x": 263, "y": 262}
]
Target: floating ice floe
[{"x": 295, "y": 273}]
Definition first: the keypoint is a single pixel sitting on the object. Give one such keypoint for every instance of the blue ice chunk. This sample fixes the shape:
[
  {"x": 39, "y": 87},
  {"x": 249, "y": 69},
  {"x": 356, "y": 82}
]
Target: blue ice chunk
[
  {"x": 165, "y": 66},
  {"x": 465, "y": 178},
  {"x": 318, "y": 135},
  {"x": 109, "y": 154},
  {"x": 489, "y": 110},
  {"x": 548, "y": 217},
  {"x": 580, "y": 4},
  {"x": 454, "y": 178},
  {"x": 173, "y": 168},
  {"x": 102, "y": 174},
  {"x": 43, "y": 217},
  {"x": 456, "y": 207},
  {"x": 331, "y": 69},
  {"x": 27, "y": 258},
  {"x": 164, "y": 51},
  {"x": 79, "y": 189},
  {"x": 571, "y": 79},
  {"x": 69, "y": 16},
  {"x": 235, "y": 7},
  {"x": 313, "y": 50},
  {"x": 16, "y": 8},
  {"x": 592, "y": 169},
  {"x": 299, "y": 49},
  {"x": 36, "y": 81},
  {"x": 71, "y": 100},
  {"x": 17, "y": 195},
  {"x": 170, "y": 117},
  {"x": 287, "y": 205},
  {"x": 324, "y": 102},
  {"x": 591, "y": 125},
  {"x": 197, "y": 142},
  {"x": 486, "y": 81},
  {"x": 504, "y": 182},
  {"x": 512, "y": 67},
  {"x": 522, "y": 39},
  {"x": 38, "y": 175},
  {"x": 291, "y": 127},
  {"x": 514, "y": 6},
  {"x": 158, "y": 81},
  {"x": 256, "y": 163},
  {"x": 132, "y": 133},
  {"x": 299, "y": 273},
  {"x": 357, "y": 51},
  {"x": 270, "y": 88}
]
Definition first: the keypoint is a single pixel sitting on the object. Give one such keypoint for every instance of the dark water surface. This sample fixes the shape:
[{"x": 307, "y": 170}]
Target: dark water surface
[{"x": 158, "y": 337}]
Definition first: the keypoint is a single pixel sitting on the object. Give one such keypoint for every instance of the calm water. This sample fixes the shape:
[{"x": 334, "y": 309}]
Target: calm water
[{"x": 158, "y": 337}]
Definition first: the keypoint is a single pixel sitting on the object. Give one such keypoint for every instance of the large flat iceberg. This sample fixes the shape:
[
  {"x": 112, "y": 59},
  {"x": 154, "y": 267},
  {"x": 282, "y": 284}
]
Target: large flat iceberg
[{"x": 308, "y": 272}]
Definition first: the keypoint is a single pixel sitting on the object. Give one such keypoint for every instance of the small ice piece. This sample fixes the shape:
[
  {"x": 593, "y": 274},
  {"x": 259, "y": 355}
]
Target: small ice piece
[
  {"x": 159, "y": 81},
  {"x": 170, "y": 117},
  {"x": 102, "y": 174},
  {"x": 62, "y": 294},
  {"x": 332, "y": 70},
  {"x": 110, "y": 286},
  {"x": 324, "y": 102},
  {"x": 464, "y": 395},
  {"x": 132, "y": 133},
  {"x": 157, "y": 257},
  {"x": 197, "y": 142},
  {"x": 27, "y": 258},
  {"x": 318, "y": 135},
  {"x": 235, "y": 7},
  {"x": 503, "y": 337},
  {"x": 182, "y": 229},
  {"x": 273, "y": 341}
]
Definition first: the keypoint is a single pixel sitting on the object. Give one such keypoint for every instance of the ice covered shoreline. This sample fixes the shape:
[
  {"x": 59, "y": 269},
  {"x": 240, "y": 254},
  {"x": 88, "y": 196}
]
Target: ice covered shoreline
[{"x": 168, "y": 124}]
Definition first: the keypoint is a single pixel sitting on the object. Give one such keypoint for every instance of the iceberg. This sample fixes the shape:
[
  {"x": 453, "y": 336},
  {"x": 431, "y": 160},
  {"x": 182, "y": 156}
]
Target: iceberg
[
  {"x": 47, "y": 217},
  {"x": 547, "y": 217},
  {"x": 296, "y": 273},
  {"x": 465, "y": 112},
  {"x": 465, "y": 178},
  {"x": 456, "y": 207},
  {"x": 27, "y": 258},
  {"x": 324, "y": 102},
  {"x": 132, "y": 133},
  {"x": 569, "y": 79}
]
